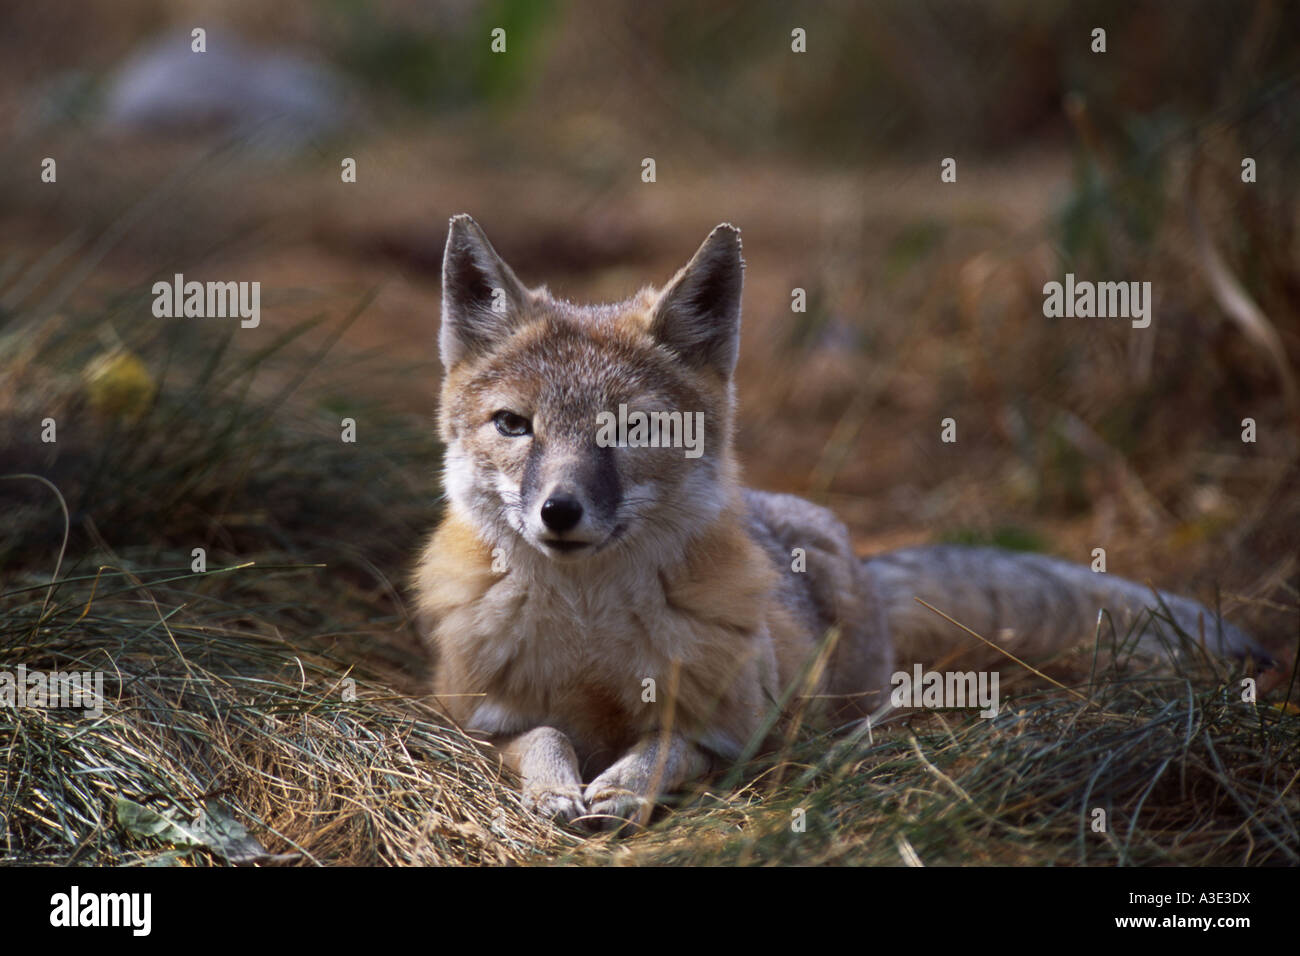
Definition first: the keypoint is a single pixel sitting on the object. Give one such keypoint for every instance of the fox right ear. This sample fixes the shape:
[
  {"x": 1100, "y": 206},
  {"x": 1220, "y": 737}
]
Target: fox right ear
[
  {"x": 481, "y": 295},
  {"x": 698, "y": 313}
]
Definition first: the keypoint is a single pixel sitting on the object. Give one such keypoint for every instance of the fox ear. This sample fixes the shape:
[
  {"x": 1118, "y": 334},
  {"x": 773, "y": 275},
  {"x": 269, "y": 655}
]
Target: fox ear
[
  {"x": 698, "y": 313},
  {"x": 481, "y": 296}
]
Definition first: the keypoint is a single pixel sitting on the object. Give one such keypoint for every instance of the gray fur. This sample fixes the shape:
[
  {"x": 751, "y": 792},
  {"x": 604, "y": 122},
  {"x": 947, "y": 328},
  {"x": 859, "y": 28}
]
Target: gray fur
[
  {"x": 1031, "y": 604},
  {"x": 834, "y": 590}
]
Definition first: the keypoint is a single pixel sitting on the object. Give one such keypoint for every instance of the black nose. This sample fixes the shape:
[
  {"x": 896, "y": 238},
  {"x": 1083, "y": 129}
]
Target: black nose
[{"x": 561, "y": 512}]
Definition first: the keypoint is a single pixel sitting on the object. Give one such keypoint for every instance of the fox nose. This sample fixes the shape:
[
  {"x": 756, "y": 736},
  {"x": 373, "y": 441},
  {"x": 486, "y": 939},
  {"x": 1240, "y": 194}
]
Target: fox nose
[{"x": 561, "y": 512}]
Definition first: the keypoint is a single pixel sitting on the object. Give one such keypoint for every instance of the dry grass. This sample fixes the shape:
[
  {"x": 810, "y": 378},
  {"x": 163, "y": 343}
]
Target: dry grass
[
  {"x": 208, "y": 710},
  {"x": 211, "y": 715}
]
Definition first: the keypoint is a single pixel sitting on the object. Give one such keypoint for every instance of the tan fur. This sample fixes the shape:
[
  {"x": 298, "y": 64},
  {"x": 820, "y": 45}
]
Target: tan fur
[{"x": 715, "y": 607}]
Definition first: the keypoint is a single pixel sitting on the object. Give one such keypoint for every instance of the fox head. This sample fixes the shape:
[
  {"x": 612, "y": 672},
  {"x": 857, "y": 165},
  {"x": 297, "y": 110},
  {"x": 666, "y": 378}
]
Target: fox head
[{"x": 588, "y": 433}]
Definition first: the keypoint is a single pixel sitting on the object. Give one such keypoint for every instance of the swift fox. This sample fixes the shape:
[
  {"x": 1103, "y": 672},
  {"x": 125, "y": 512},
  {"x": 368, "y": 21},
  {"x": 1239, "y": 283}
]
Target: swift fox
[{"x": 586, "y": 557}]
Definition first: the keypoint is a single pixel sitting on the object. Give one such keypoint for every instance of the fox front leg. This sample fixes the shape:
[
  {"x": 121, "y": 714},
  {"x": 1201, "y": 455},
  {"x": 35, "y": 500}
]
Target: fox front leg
[
  {"x": 627, "y": 790},
  {"x": 545, "y": 759}
]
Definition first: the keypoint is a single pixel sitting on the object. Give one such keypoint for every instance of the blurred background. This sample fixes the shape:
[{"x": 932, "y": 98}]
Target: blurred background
[{"x": 924, "y": 298}]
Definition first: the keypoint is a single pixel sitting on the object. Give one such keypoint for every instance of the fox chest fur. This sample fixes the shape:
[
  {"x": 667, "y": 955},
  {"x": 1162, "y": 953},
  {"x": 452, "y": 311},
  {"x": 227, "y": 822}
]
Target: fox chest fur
[{"x": 611, "y": 653}]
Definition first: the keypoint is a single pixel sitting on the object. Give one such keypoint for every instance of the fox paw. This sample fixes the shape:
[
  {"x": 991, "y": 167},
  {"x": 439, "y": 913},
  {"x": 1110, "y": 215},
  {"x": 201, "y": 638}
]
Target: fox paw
[
  {"x": 615, "y": 809},
  {"x": 555, "y": 803}
]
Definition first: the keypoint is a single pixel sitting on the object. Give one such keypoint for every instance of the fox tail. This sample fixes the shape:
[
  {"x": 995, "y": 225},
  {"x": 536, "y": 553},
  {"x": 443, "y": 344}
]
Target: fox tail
[{"x": 1034, "y": 606}]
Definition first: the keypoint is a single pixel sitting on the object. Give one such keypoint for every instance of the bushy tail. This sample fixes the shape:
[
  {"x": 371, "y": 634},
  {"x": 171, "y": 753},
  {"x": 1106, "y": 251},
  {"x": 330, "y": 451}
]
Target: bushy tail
[{"x": 1033, "y": 606}]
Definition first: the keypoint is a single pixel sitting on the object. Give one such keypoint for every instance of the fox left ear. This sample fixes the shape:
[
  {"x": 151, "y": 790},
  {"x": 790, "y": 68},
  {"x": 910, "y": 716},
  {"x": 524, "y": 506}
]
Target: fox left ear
[
  {"x": 698, "y": 313},
  {"x": 481, "y": 296}
]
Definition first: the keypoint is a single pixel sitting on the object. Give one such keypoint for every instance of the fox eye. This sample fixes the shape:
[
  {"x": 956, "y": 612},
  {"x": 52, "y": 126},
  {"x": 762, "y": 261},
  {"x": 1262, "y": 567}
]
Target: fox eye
[{"x": 512, "y": 425}]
